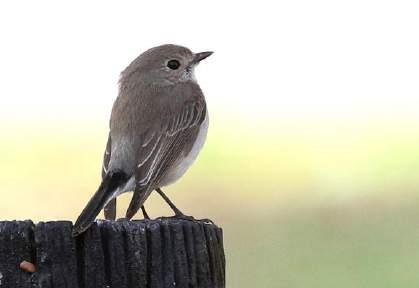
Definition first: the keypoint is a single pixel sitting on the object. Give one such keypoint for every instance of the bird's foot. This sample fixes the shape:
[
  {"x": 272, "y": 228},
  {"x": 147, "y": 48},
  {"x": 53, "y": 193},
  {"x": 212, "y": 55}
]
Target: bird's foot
[
  {"x": 184, "y": 217},
  {"x": 177, "y": 217},
  {"x": 123, "y": 219},
  {"x": 206, "y": 220}
]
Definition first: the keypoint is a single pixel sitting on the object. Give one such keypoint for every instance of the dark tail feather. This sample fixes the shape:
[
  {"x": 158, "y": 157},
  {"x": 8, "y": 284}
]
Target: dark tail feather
[
  {"x": 137, "y": 201},
  {"x": 109, "y": 184}
]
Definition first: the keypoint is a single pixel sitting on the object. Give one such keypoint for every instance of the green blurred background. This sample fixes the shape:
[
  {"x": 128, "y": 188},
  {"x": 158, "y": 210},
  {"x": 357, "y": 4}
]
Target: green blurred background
[
  {"x": 312, "y": 159},
  {"x": 305, "y": 211}
]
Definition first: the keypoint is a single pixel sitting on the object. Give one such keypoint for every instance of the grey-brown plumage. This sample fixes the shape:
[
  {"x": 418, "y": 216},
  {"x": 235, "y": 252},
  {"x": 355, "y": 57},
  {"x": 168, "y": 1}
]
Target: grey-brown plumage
[{"x": 158, "y": 125}]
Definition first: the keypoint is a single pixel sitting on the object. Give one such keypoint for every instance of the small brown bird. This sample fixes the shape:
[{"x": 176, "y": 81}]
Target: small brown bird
[{"x": 158, "y": 125}]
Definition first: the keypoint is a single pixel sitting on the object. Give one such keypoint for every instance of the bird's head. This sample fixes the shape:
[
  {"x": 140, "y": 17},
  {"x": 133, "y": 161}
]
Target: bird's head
[{"x": 163, "y": 65}]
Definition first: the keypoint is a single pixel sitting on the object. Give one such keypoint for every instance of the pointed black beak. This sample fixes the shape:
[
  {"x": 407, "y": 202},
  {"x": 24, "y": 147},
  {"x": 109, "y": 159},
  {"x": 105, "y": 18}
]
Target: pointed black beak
[{"x": 201, "y": 56}]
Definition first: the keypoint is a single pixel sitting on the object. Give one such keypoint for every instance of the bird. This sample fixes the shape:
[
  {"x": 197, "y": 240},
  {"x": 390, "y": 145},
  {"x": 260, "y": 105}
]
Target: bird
[{"x": 158, "y": 125}]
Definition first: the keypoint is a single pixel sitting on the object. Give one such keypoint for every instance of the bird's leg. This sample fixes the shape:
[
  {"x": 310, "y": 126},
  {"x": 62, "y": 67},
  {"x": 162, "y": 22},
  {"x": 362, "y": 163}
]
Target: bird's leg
[
  {"x": 129, "y": 218},
  {"x": 110, "y": 210},
  {"x": 170, "y": 203},
  {"x": 178, "y": 213},
  {"x": 144, "y": 213}
]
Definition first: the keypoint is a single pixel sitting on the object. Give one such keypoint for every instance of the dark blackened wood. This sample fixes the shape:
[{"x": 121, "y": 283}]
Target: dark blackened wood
[
  {"x": 221, "y": 256},
  {"x": 180, "y": 257},
  {"x": 202, "y": 259},
  {"x": 16, "y": 245},
  {"x": 168, "y": 256},
  {"x": 91, "y": 260},
  {"x": 113, "y": 245},
  {"x": 155, "y": 259},
  {"x": 56, "y": 260},
  {"x": 190, "y": 255},
  {"x": 166, "y": 252},
  {"x": 136, "y": 253}
]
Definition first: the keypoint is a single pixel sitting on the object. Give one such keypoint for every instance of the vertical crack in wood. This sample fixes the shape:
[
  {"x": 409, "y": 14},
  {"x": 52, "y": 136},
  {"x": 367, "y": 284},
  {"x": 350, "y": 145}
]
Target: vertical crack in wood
[
  {"x": 149, "y": 257},
  {"x": 136, "y": 253},
  {"x": 217, "y": 254},
  {"x": 156, "y": 280},
  {"x": 168, "y": 269},
  {"x": 203, "y": 271},
  {"x": 106, "y": 257},
  {"x": 180, "y": 256},
  {"x": 56, "y": 257},
  {"x": 190, "y": 253},
  {"x": 112, "y": 243},
  {"x": 221, "y": 253},
  {"x": 94, "y": 269},
  {"x": 212, "y": 263},
  {"x": 80, "y": 261}
]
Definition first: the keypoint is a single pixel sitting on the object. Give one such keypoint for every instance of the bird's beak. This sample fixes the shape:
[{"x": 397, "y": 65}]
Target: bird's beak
[{"x": 201, "y": 56}]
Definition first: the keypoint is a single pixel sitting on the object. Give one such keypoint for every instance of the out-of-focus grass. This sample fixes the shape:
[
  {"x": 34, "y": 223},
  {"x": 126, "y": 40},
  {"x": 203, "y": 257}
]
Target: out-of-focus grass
[{"x": 355, "y": 246}]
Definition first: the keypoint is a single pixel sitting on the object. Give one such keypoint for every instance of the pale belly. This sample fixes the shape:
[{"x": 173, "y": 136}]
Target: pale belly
[{"x": 182, "y": 165}]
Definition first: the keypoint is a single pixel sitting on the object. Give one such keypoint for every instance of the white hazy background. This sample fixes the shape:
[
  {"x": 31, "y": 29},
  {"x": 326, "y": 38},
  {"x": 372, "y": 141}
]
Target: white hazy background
[
  {"x": 274, "y": 60},
  {"x": 313, "y": 139}
]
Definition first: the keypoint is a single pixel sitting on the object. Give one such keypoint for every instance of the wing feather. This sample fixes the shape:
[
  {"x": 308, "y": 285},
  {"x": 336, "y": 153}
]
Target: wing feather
[
  {"x": 106, "y": 157},
  {"x": 174, "y": 140}
]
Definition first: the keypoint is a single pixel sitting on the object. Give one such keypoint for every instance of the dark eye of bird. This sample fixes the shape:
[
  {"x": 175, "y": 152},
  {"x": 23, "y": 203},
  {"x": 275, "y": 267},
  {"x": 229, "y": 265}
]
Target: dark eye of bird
[{"x": 173, "y": 64}]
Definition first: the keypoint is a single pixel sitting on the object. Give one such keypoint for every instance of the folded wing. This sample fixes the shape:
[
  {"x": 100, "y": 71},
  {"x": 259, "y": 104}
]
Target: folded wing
[{"x": 161, "y": 149}]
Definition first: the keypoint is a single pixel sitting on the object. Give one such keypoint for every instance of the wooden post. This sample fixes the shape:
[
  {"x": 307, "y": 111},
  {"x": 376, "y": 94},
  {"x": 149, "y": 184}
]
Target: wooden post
[{"x": 166, "y": 252}]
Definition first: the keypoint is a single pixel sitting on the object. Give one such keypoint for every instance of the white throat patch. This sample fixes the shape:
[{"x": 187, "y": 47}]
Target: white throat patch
[{"x": 188, "y": 75}]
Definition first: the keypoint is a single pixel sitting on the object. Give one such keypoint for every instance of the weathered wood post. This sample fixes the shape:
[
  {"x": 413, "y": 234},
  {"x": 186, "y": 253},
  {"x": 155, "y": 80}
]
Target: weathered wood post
[{"x": 166, "y": 252}]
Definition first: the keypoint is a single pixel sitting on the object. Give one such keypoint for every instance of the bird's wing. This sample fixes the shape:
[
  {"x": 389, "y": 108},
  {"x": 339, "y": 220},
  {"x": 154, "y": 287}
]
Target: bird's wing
[
  {"x": 106, "y": 157},
  {"x": 163, "y": 148},
  {"x": 110, "y": 208}
]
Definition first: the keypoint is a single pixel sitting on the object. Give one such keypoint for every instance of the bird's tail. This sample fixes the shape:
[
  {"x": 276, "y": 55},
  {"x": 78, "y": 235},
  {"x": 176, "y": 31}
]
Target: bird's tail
[{"x": 110, "y": 183}]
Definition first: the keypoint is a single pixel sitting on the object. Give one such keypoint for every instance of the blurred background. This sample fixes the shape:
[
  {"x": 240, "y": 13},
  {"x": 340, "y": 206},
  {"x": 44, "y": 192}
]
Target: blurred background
[{"x": 312, "y": 159}]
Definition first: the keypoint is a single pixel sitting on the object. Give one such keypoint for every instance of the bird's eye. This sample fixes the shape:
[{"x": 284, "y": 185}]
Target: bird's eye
[{"x": 173, "y": 64}]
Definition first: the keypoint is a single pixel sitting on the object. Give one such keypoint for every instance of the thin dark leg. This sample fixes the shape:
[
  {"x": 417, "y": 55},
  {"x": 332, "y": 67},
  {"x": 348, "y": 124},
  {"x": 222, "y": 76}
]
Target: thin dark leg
[
  {"x": 144, "y": 213},
  {"x": 110, "y": 210},
  {"x": 172, "y": 206}
]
